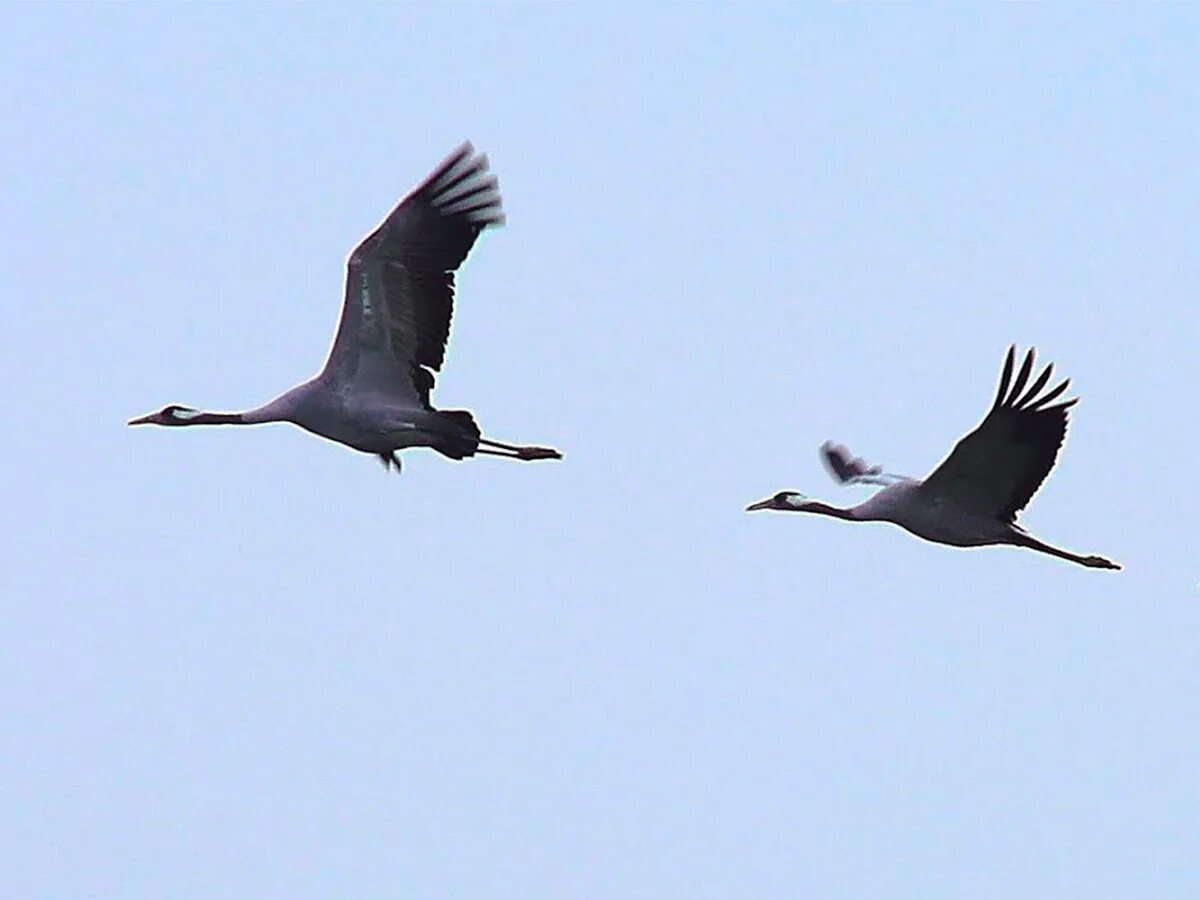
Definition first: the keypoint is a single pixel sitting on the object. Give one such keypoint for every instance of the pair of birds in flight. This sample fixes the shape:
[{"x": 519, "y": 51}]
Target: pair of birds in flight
[{"x": 373, "y": 393}]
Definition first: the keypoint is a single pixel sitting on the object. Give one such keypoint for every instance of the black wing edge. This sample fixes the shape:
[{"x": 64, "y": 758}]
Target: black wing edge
[
  {"x": 436, "y": 226},
  {"x": 1033, "y": 422},
  {"x": 462, "y": 188},
  {"x": 1009, "y": 395}
]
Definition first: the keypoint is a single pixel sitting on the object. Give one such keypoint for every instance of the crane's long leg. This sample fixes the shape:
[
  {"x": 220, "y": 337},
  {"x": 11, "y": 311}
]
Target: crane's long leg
[
  {"x": 503, "y": 453},
  {"x": 514, "y": 452},
  {"x": 1021, "y": 539}
]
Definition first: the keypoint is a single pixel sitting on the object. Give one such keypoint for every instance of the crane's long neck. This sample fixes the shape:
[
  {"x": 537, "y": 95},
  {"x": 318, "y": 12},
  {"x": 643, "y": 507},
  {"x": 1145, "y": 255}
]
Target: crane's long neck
[
  {"x": 281, "y": 409},
  {"x": 824, "y": 509},
  {"x": 275, "y": 411},
  {"x": 212, "y": 418}
]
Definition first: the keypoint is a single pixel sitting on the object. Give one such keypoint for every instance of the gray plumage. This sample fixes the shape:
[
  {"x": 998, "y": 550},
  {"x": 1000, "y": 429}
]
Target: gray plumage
[
  {"x": 373, "y": 393},
  {"x": 973, "y": 497}
]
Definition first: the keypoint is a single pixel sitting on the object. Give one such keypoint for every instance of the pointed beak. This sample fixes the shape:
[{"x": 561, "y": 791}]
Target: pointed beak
[
  {"x": 142, "y": 420},
  {"x": 769, "y": 503}
]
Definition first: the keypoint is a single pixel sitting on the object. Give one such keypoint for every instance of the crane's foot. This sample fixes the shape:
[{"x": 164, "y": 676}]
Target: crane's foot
[
  {"x": 1099, "y": 562},
  {"x": 387, "y": 460},
  {"x": 530, "y": 453},
  {"x": 526, "y": 453}
]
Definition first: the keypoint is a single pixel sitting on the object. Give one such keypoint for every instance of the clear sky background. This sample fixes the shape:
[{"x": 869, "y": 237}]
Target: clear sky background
[{"x": 248, "y": 663}]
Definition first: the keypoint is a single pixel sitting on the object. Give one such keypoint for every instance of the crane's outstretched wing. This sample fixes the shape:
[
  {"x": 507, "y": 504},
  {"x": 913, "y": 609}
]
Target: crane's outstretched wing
[
  {"x": 400, "y": 281},
  {"x": 999, "y": 466}
]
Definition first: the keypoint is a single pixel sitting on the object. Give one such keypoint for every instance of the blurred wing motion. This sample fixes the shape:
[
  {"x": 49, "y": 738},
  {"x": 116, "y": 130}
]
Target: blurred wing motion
[
  {"x": 849, "y": 469},
  {"x": 998, "y": 467},
  {"x": 844, "y": 466}
]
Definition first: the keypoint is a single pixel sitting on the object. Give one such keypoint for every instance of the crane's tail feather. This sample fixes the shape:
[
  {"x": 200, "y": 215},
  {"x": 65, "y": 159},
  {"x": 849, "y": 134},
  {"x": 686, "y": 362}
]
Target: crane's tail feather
[{"x": 462, "y": 434}]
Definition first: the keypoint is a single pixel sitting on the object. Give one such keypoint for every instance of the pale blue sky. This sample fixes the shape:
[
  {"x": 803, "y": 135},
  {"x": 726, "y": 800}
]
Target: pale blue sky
[{"x": 247, "y": 663}]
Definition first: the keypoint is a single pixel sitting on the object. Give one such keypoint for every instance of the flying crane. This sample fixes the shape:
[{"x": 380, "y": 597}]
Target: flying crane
[
  {"x": 973, "y": 497},
  {"x": 374, "y": 392}
]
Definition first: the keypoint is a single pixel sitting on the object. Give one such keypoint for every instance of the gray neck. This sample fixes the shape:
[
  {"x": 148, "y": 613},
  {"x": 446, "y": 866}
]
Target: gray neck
[
  {"x": 282, "y": 409},
  {"x": 212, "y": 418},
  {"x": 275, "y": 411},
  {"x": 824, "y": 509},
  {"x": 287, "y": 405},
  {"x": 267, "y": 413}
]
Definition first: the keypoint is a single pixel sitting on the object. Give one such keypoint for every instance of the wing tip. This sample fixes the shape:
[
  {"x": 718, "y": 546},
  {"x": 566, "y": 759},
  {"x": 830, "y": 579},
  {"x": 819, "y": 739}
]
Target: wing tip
[
  {"x": 1005, "y": 376},
  {"x": 1012, "y": 393}
]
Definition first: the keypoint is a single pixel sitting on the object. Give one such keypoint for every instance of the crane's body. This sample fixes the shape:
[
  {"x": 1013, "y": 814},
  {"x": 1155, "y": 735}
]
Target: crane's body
[
  {"x": 372, "y": 424},
  {"x": 373, "y": 393},
  {"x": 905, "y": 505},
  {"x": 973, "y": 497}
]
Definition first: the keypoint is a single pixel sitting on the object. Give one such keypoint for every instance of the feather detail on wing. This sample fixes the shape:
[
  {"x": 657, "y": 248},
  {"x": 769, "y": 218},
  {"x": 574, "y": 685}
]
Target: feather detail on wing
[
  {"x": 400, "y": 279},
  {"x": 998, "y": 467}
]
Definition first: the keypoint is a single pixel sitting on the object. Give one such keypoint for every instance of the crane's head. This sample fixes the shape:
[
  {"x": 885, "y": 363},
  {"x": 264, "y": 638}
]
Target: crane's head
[
  {"x": 172, "y": 414},
  {"x": 787, "y": 500}
]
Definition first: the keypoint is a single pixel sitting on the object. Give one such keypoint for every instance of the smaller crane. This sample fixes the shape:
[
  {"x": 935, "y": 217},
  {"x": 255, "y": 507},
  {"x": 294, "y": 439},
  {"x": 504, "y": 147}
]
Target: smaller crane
[
  {"x": 973, "y": 497},
  {"x": 373, "y": 393}
]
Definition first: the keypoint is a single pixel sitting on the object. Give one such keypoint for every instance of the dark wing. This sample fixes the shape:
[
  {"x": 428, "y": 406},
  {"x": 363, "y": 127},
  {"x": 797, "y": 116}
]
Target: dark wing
[
  {"x": 844, "y": 466},
  {"x": 400, "y": 280},
  {"x": 999, "y": 466}
]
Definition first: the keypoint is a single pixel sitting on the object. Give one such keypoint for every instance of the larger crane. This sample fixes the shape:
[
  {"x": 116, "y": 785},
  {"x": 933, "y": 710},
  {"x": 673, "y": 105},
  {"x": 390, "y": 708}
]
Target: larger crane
[
  {"x": 374, "y": 392},
  {"x": 973, "y": 497}
]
